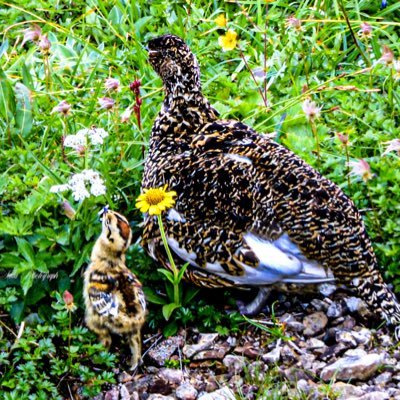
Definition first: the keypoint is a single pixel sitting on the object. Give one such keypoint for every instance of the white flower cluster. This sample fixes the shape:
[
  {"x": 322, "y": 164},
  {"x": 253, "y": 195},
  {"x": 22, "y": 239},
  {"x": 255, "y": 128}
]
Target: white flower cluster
[
  {"x": 95, "y": 135},
  {"x": 78, "y": 185}
]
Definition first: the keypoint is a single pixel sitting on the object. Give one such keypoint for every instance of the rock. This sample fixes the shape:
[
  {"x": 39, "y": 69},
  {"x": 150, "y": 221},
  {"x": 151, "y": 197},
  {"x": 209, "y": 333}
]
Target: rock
[
  {"x": 353, "y": 367},
  {"x": 386, "y": 340},
  {"x": 222, "y": 394},
  {"x": 157, "y": 396},
  {"x": 334, "y": 351},
  {"x": 314, "y": 323},
  {"x": 327, "y": 289},
  {"x": 257, "y": 370},
  {"x": 374, "y": 396},
  {"x": 288, "y": 355},
  {"x": 174, "y": 376},
  {"x": 304, "y": 386},
  {"x": 383, "y": 379},
  {"x": 124, "y": 393},
  {"x": 186, "y": 392},
  {"x": 249, "y": 350},
  {"x": 335, "y": 310},
  {"x": 319, "y": 305},
  {"x": 345, "y": 391},
  {"x": 164, "y": 350},
  {"x": 314, "y": 343},
  {"x": 347, "y": 338},
  {"x": 307, "y": 360},
  {"x": 355, "y": 304},
  {"x": 273, "y": 356},
  {"x": 205, "y": 342},
  {"x": 295, "y": 326},
  {"x": 235, "y": 364},
  {"x": 363, "y": 336},
  {"x": 112, "y": 394},
  {"x": 124, "y": 377},
  {"x": 216, "y": 353}
]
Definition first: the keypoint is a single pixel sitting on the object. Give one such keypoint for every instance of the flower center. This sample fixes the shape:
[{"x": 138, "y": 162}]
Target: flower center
[{"x": 155, "y": 196}]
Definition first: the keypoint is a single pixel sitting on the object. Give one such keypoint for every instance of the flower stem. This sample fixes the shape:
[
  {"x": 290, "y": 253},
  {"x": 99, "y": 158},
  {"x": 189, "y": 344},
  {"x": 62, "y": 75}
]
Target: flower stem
[
  {"x": 315, "y": 133},
  {"x": 171, "y": 260}
]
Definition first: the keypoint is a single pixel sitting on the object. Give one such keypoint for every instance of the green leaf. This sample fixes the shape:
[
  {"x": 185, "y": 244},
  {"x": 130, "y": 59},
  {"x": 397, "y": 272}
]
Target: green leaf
[
  {"x": 23, "y": 112},
  {"x": 17, "y": 311},
  {"x": 182, "y": 271},
  {"x": 170, "y": 329},
  {"x": 27, "y": 280},
  {"x": 26, "y": 250},
  {"x": 154, "y": 298},
  {"x": 16, "y": 226},
  {"x": 168, "y": 309},
  {"x": 168, "y": 274},
  {"x": 7, "y": 98}
]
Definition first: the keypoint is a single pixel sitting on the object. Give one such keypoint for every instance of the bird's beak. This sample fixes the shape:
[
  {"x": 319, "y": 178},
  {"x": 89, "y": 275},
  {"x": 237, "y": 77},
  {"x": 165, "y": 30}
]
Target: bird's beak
[{"x": 103, "y": 212}]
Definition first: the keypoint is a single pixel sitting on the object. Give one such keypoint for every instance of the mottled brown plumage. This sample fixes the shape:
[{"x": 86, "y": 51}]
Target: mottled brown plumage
[
  {"x": 114, "y": 300},
  {"x": 249, "y": 212}
]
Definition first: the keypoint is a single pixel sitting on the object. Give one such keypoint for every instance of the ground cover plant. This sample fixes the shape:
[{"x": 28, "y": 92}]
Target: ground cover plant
[{"x": 77, "y": 102}]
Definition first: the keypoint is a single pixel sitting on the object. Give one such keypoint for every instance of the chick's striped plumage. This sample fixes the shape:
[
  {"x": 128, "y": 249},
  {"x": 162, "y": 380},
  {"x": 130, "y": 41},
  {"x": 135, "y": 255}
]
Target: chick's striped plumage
[
  {"x": 248, "y": 211},
  {"x": 114, "y": 300}
]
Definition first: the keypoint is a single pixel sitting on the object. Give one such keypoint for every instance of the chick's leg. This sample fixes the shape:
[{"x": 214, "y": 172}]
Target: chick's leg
[{"x": 135, "y": 345}]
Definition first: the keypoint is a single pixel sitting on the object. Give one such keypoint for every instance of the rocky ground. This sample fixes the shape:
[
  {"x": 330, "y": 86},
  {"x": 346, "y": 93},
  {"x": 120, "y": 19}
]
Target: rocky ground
[{"x": 319, "y": 349}]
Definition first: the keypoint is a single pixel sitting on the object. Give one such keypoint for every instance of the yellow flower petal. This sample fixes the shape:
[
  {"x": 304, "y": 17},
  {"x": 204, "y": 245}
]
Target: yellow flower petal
[
  {"x": 221, "y": 20},
  {"x": 228, "y": 41}
]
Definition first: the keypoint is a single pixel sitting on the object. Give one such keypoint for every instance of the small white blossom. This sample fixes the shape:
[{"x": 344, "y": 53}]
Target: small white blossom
[
  {"x": 59, "y": 188},
  {"x": 78, "y": 183},
  {"x": 75, "y": 141},
  {"x": 97, "y": 135},
  {"x": 98, "y": 188}
]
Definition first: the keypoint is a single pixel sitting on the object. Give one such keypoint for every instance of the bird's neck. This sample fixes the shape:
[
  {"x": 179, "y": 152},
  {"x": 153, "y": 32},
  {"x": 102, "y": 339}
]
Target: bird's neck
[
  {"x": 184, "y": 112},
  {"x": 102, "y": 252}
]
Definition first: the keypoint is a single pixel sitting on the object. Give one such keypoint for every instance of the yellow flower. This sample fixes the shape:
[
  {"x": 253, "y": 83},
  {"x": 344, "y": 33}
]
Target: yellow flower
[
  {"x": 221, "y": 20},
  {"x": 228, "y": 41},
  {"x": 155, "y": 200}
]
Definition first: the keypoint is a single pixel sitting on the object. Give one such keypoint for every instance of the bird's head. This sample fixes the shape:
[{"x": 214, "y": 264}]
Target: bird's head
[
  {"x": 173, "y": 61},
  {"x": 116, "y": 233}
]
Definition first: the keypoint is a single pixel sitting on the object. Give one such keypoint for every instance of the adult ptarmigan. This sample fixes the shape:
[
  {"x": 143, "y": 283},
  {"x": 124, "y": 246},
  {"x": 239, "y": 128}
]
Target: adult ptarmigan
[{"x": 248, "y": 212}]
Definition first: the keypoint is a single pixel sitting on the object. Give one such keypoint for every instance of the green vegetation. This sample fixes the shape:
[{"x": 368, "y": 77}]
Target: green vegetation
[{"x": 55, "y": 59}]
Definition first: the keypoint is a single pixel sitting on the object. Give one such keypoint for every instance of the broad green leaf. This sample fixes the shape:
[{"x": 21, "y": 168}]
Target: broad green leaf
[
  {"x": 7, "y": 97},
  {"x": 23, "y": 112},
  {"x": 26, "y": 250},
  {"x": 168, "y": 309},
  {"x": 154, "y": 298},
  {"x": 27, "y": 280},
  {"x": 168, "y": 274}
]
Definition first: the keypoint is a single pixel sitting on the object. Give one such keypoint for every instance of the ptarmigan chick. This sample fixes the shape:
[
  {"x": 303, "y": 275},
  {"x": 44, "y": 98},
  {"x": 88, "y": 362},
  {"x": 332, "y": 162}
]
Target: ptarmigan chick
[
  {"x": 114, "y": 300},
  {"x": 249, "y": 212}
]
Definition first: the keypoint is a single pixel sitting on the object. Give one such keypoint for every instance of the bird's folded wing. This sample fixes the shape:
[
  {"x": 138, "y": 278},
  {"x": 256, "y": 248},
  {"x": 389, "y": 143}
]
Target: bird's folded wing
[
  {"x": 104, "y": 303},
  {"x": 132, "y": 293}
]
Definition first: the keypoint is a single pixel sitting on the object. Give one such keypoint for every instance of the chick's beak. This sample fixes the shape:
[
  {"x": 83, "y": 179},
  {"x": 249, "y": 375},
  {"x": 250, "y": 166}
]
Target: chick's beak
[{"x": 103, "y": 212}]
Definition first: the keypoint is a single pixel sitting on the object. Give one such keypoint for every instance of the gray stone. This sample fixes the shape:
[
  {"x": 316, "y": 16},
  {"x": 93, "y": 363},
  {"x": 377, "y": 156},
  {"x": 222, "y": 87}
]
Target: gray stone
[
  {"x": 217, "y": 352},
  {"x": 171, "y": 375},
  {"x": 307, "y": 361},
  {"x": 273, "y": 356},
  {"x": 319, "y": 305},
  {"x": 345, "y": 391},
  {"x": 112, "y": 394},
  {"x": 313, "y": 343},
  {"x": 347, "y": 338},
  {"x": 335, "y": 310},
  {"x": 186, "y": 392},
  {"x": 221, "y": 394},
  {"x": 163, "y": 352},
  {"x": 355, "y": 304},
  {"x": 157, "y": 396},
  {"x": 383, "y": 379},
  {"x": 353, "y": 367},
  {"x": 206, "y": 340},
  {"x": 327, "y": 289},
  {"x": 375, "y": 396},
  {"x": 124, "y": 393},
  {"x": 314, "y": 323},
  {"x": 235, "y": 364},
  {"x": 363, "y": 336},
  {"x": 124, "y": 377}
]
